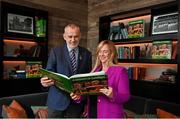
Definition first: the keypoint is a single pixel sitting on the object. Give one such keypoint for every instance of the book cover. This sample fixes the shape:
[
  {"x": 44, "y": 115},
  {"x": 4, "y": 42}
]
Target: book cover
[
  {"x": 32, "y": 69},
  {"x": 40, "y": 27},
  {"x": 136, "y": 29},
  {"x": 161, "y": 50},
  {"x": 83, "y": 84}
]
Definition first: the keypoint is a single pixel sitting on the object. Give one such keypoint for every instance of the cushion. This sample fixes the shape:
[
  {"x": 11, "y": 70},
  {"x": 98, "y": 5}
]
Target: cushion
[
  {"x": 14, "y": 110},
  {"x": 164, "y": 114}
]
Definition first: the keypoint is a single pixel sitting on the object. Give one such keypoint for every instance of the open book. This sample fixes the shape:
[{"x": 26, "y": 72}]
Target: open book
[{"x": 83, "y": 84}]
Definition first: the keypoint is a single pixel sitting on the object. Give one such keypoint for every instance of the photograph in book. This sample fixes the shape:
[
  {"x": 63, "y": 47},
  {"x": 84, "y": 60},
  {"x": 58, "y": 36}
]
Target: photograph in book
[
  {"x": 83, "y": 84},
  {"x": 166, "y": 23}
]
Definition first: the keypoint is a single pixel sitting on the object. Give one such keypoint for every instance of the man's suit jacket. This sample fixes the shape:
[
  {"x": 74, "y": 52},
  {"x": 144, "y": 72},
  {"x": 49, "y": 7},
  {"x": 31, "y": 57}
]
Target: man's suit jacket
[{"x": 59, "y": 61}]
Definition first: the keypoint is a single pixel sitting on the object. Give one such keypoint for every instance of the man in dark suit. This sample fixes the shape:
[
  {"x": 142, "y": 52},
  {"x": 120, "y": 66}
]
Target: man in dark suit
[{"x": 59, "y": 102}]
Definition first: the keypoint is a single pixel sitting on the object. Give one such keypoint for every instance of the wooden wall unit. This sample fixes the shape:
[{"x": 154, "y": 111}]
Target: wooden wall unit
[
  {"x": 23, "y": 48},
  {"x": 148, "y": 86}
]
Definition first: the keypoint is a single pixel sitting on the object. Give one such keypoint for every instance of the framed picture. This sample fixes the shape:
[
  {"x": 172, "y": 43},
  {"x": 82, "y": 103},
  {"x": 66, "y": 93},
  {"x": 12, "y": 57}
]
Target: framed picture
[
  {"x": 19, "y": 24},
  {"x": 166, "y": 23}
]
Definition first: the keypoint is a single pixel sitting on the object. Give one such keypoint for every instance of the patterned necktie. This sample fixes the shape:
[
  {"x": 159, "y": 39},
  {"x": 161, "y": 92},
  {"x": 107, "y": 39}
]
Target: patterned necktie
[{"x": 73, "y": 61}]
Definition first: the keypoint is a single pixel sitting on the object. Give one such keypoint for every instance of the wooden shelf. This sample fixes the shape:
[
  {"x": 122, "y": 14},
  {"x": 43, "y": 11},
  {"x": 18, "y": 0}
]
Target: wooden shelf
[
  {"x": 149, "y": 61},
  {"x": 24, "y": 59}
]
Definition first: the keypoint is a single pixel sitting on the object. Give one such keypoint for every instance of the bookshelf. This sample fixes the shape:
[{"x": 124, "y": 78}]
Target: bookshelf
[
  {"x": 23, "y": 48},
  {"x": 151, "y": 75}
]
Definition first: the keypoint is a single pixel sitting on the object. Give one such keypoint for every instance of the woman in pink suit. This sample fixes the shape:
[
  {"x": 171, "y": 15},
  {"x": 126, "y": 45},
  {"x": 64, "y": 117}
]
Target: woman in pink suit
[{"x": 110, "y": 103}]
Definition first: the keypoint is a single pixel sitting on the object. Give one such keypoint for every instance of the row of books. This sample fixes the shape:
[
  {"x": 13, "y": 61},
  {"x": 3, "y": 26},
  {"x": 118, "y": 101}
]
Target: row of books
[
  {"x": 129, "y": 52},
  {"x": 36, "y": 51},
  {"x": 136, "y": 73},
  {"x": 156, "y": 50},
  {"x": 118, "y": 32},
  {"x": 140, "y": 73},
  {"x": 134, "y": 29}
]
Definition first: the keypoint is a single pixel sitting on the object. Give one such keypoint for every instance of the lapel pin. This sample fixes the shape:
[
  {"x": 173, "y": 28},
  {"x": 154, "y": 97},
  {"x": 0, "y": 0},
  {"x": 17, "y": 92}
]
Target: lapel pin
[{"x": 80, "y": 58}]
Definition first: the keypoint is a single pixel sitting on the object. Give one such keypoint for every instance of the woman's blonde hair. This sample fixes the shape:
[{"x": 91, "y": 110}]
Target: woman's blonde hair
[{"x": 113, "y": 53}]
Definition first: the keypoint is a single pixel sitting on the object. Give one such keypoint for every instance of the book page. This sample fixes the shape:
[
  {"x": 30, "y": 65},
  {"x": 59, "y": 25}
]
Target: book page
[
  {"x": 47, "y": 72},
  {"x": 88, "y": 74},
  {"x": 61, "y": 75},
  {"x": 89, "y": 83}
]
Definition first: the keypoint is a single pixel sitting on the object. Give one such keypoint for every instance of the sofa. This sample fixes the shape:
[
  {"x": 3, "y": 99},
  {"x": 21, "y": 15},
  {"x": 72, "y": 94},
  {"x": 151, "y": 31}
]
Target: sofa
[
  {"x": 28, "y": 101},
  {"x": 137, "y": 105}
]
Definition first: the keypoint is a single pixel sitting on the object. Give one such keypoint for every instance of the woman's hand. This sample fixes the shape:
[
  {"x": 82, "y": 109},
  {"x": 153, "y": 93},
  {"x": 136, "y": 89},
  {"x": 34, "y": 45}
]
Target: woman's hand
[
  {"x": 46, "y": 82},
  {"x": 85, "y": 112},
  {"x": 75, "y": 97},
  {"x": 107, "y": 91}
]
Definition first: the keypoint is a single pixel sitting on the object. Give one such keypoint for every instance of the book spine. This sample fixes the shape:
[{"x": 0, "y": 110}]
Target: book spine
[
  {"x": 61, "y": 85},
  {"x": 101, "y": 77},
  {"x": 60, "y": 82}
]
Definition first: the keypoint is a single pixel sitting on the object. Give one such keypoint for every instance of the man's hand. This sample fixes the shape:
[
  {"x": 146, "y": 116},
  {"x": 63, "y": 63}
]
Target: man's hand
[{"x": 46, "y": 82}]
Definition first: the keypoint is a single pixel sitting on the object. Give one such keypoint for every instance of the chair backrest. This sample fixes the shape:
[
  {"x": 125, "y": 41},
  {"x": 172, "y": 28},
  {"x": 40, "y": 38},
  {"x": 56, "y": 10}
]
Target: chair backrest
[
  {"x": 136, "y": 104},
  {"x": 152, "y": 105},
  {"x": 141, "y": 105}
]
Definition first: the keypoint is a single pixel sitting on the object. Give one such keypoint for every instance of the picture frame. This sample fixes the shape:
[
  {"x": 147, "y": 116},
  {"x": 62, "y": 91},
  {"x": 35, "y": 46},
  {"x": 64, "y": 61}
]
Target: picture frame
[
  {"x": 20, "y": 24},
  {"x": 165, "y": 23}
]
